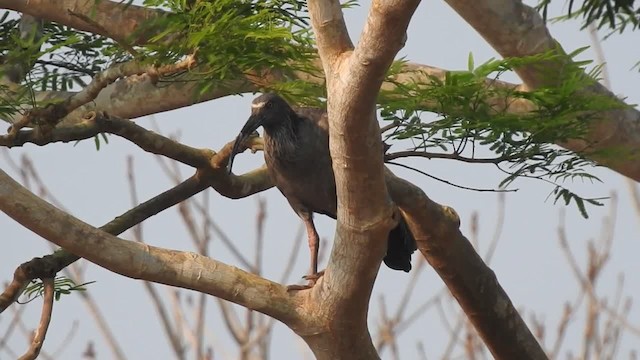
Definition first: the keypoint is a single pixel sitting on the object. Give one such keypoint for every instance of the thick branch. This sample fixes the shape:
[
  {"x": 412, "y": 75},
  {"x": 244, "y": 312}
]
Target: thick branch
[
  {"x": 330, "y": 31},
  {"x": 364, "y": 210},
  {"x": 52, "y": 114},
  {"x": 140, "y": 261},
  {"x": 50, "y": 265},
  {"x": 516, "y": 30},
  {"x": 470, "y": 280},
  {"x": 109, "y": 18},
  {"x": 354, "y": 131},
  {"x": 227, "y": 185}
]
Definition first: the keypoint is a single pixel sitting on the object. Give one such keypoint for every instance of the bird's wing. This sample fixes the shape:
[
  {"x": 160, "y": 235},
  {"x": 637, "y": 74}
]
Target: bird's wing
[{"x": 315, "y": 115}]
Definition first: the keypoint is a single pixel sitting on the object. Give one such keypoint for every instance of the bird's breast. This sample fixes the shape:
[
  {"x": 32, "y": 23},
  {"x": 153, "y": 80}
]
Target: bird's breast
[{"x": 303, "y": 177}]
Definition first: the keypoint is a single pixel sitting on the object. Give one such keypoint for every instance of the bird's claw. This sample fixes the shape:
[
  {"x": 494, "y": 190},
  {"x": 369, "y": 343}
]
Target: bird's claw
[
  {"x": 314, "y": 277},
  {"x": 299, "y": 287},
  {"x": 311, "y": 281}
]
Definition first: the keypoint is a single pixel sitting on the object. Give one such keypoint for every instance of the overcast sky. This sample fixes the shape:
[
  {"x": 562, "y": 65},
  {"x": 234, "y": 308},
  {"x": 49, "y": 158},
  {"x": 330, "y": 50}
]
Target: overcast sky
[{"x": 528, "y": 262}]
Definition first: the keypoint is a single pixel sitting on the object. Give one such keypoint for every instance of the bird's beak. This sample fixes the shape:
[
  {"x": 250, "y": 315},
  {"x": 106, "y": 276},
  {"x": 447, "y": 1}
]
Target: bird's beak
[{"x": 252, "y": 124}]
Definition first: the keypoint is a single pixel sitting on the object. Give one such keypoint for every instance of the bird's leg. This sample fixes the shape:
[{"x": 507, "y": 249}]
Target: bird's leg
[{"x": 314, "y": 247}]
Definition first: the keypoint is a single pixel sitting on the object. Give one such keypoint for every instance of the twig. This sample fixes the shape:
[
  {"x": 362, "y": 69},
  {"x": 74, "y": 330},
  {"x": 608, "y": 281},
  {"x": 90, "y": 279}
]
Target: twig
[
  {"x": 422, "y": 354},
  {"x": 291, "y": 261},
  {"x": 453, "y": 156},
  {"x": 174, "y": 339},
  {"x": 17, "y": 315},
  {"x": 56, "y": 354},
  {"x": 387, "y": 333},
  {"x": 449, "y": 182},
  {"x": 562, "y": 330},
  {"x": 232, "y": 323},
  {"x": 74, "y": 272},
  {"x": 45, "y": 319},
  {"x": 398, "y": 324},
  {"x": 493, "y": 245},
  {"x": 250, "y": 316}
]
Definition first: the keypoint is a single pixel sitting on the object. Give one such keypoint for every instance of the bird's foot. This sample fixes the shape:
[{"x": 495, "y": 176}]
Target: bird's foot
[
  {"x": 311, "y": 281},
  {"x": 314, "y": 277}
]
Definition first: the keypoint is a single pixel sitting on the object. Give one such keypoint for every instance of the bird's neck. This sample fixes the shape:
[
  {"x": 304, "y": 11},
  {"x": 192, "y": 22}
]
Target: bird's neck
[
  {"x": 287, "y": 128},
  {"x": 281, "y": 141}
]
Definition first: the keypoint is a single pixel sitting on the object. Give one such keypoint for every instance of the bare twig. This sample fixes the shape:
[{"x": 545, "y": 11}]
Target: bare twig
[
  {"x": 30, "y": 176},
  {"x": 453, "y": 156},
  {"x": 56, "y": 354},
  {"x": 174, "y": 339}
]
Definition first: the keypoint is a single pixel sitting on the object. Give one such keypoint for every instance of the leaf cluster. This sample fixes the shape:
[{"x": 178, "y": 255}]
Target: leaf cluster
[
  {"x": 232, "y": 38},
  {"x": 57, "y": 57},
  {"x": 468, "y": 118},
  {"x": 62, "y": 286},
  {"x": 616, "y": 14}
]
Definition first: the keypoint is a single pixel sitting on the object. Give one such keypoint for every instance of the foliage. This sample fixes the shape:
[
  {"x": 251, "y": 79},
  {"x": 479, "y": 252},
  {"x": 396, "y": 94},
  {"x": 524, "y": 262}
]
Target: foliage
[
  {"x": 617, "y": 14},
  {"x": 59, "y": 58},
  {"x": 232, "y": 38},
  {"x": 62, "y": 286},
  {"x": 469, "y": 123}
]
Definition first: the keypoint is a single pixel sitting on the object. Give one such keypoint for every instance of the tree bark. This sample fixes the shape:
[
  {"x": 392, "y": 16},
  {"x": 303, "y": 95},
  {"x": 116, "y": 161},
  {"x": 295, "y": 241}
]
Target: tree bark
[
  {"x": 470, "y": 280},
  {"x": 140, "y": 261}
]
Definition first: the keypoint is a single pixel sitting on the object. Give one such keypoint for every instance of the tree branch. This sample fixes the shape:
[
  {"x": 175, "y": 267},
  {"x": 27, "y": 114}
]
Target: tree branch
[
  {"x": 516, "y": 30},
  {"x": 330, "y": 31},
  {"x": 121, "y": 20},
  {"x": 50, "y": 265},
  {"x": 52, "y": 114},
  {"x": 617, "y": 129},
  {"x": 451, "y": 156},
  {"x": 364, "y": 210},
  {"x": 210, "y": 163},
  {"x": 215, "y": 176},
  {"x": 470, "y": 280},
  {"x": 170, "y": 267},
  {"x": 45, "y": 319}
]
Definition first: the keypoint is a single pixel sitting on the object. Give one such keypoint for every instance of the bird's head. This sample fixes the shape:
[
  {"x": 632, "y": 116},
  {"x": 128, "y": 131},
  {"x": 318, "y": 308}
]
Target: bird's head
[{"x": 269, "y": 111}]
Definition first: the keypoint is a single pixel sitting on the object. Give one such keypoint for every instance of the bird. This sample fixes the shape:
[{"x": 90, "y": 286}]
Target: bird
[{"x": 296, "y": 151}]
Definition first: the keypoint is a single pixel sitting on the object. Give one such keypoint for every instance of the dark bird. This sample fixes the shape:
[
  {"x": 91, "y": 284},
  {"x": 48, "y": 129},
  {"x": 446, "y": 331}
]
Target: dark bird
[{"x": 296, "y": 150}]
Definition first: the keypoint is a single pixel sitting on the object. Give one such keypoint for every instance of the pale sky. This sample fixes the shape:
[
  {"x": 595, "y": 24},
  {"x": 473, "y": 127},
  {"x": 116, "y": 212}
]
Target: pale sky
[{"x": 528, "y": 262}]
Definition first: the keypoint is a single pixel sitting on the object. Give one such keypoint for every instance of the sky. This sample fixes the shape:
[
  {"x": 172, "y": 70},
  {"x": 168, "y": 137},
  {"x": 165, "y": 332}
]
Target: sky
[{"x": 528, "y": 262}]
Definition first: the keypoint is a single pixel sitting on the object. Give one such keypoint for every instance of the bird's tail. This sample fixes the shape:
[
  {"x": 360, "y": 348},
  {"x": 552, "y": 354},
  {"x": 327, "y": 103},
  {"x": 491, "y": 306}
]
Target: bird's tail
[{"x": 400, "y": 245}]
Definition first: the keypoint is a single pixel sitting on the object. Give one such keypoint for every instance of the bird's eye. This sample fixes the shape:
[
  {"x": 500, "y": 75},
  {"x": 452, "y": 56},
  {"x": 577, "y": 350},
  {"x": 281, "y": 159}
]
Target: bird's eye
[{"x": 269, "y": 105}]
